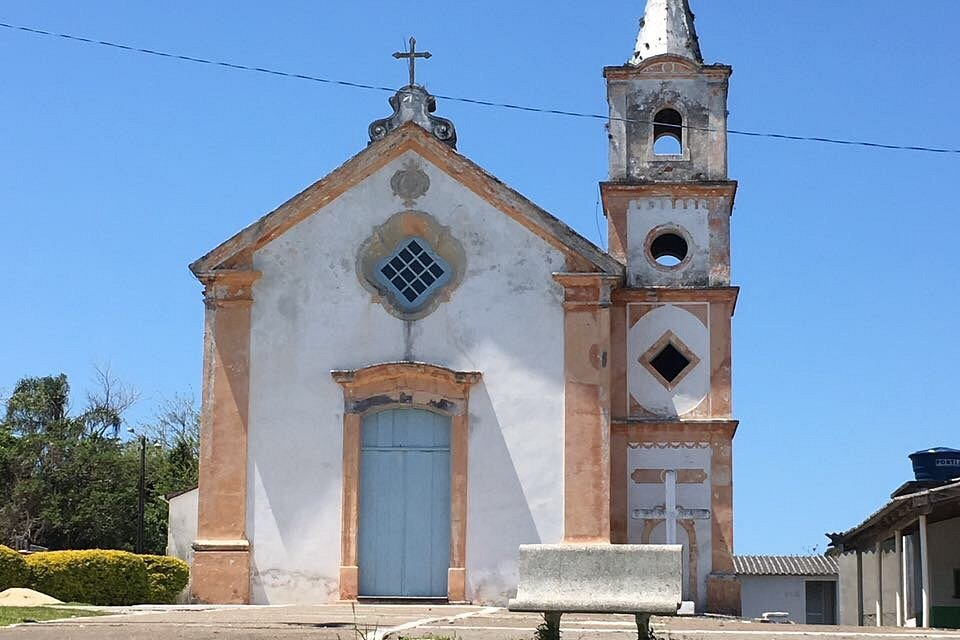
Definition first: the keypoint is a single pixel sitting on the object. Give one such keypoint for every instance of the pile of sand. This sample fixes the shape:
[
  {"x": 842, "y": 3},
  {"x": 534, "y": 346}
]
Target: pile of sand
[{"x": 17, "y": 597}]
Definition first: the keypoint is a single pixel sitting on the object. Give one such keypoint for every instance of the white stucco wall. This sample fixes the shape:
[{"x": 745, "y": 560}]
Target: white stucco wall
[
  {"x": 691, "y": 216},
  {"x": 890, "y": 575},
  {"x": 944, "y": 559},
  {"x": 182, "y": 530},
  {"x": 182, "y": 525},
  {"x": 311, "y": 315},
  {"x": 760, "y": 594}
]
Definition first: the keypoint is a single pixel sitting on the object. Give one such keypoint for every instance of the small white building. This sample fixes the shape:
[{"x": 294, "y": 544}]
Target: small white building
[
  {"x": 901, "y": 565},
  {"x": 182, "y": 523},
  {"x": 804, "y": 587}
]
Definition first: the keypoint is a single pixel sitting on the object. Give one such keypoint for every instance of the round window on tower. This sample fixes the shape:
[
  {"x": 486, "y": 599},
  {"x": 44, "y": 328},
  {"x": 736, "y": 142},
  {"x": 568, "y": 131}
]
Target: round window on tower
[{"x": 668, "y": 248}]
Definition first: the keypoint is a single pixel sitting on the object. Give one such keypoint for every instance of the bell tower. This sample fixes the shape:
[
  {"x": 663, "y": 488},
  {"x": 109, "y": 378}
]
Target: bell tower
[{"x": 668, "y": 202}]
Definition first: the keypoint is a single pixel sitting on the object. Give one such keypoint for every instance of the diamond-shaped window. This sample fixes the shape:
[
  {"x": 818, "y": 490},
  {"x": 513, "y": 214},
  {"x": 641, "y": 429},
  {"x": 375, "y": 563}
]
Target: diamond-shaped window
[
  {"x": 670, "y": 363},
  {"x": 412, "y": 273},
  {"x": 669, "y": 360}
]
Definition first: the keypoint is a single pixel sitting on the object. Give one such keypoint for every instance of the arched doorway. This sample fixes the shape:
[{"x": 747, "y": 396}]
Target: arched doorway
[{"x": 404, "y": 511}]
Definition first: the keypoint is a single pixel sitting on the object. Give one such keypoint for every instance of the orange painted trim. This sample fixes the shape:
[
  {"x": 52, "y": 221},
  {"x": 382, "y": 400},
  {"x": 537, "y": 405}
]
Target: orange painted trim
[
  {"x": 412, "y": 384},
  {"x": 648, "y": 526},
  {"x": 693, "y": 556},
  {"x": 619, "y": 516},
  {"x": 723, "y": 594},
  {"x": 221, "y": 571},
  {"x": 409, "y": 137},
  {"x": 429, "y": 377},
  {"x": 657, "y": 430},
  {"x": 349, "y": 582},
  {"x": 586, "y": 423},
  {"x": 458, "y": 501},
  {"x": 351, "y": 478},
  {"x": 649, "y": 68},
  {"x": 652, "y": 295},
  {"x": 220, "y": 577},
  {"x": 702, "y": 190},
  {"x": 456, "y": 584},
  {"x": 657, "y": 476},
  {"x": 226, "y": 286}
]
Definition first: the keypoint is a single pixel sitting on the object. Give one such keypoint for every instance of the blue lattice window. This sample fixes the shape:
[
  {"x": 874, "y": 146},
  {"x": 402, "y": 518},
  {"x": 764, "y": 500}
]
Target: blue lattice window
[{"x": 412, "y": 273}]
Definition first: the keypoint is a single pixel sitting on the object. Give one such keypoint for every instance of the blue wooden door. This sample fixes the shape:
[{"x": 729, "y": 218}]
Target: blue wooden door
[{"x": 404, "y": 528}]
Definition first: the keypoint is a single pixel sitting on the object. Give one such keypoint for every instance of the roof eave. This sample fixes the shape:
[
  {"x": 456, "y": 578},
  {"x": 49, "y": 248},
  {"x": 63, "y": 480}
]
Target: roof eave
[
  {"x": 375, "y": 156},
  {"x": 900, "y": 512}
]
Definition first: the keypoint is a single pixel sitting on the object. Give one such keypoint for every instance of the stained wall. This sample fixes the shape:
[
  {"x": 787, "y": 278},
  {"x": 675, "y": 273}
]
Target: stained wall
[{"x": 311, "y": 315}]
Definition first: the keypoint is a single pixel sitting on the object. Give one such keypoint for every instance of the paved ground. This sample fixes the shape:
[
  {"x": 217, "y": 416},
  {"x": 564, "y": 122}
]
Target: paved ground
[{"x": 375, "y": 622}]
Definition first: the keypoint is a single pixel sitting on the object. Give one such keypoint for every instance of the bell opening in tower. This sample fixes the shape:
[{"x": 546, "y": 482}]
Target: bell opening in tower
[{"x": 668, "y": 133}]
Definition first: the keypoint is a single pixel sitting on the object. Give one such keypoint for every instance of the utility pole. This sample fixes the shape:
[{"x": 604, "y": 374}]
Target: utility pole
[{"x": 141, "y": 491}]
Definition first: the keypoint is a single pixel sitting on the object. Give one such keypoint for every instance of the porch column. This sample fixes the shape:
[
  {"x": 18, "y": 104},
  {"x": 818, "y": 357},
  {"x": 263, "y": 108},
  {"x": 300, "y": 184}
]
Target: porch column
[
  {"x": 908, "y": 607},
  {"x": 878, "y": 608},
  {"x": 898, "y": 551},
  {"x": 859, "y": 588},
  {"x": 924, "y": 572},
  {"x": 221, "y": 562},
  {"x": 586, "y": 419}
]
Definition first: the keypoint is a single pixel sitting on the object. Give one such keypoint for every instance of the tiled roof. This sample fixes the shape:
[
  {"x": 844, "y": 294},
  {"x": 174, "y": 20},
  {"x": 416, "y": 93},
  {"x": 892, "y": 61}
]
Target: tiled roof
[{"x": 785, "y": 565}]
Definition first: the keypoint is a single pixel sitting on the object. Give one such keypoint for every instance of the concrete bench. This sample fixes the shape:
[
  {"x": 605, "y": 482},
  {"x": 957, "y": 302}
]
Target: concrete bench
[{"x": 643, "y": 580}]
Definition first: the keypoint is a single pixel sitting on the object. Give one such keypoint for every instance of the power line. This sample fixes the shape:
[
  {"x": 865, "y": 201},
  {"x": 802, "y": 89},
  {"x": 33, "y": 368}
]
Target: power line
[{"x": 474, "y": 101}]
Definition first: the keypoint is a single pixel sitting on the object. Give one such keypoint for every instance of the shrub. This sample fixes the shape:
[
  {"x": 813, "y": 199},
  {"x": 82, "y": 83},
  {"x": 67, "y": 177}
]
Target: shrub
[
  {"x": 13, "y": 569},
  {"x": 93, "y": 576},
  {"x": 166, "y": 578}
]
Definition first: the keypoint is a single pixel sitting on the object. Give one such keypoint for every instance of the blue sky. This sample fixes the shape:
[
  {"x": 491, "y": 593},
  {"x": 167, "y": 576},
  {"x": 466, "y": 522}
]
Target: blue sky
[{"x": 118, "y": 169}]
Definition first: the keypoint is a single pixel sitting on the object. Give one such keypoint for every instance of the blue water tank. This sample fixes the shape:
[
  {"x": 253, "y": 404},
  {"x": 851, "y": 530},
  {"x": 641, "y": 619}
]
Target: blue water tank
[{"x": 937, "y": 464}]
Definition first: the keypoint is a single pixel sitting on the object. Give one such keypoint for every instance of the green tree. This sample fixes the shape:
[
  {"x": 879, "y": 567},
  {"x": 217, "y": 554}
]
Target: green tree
[
  {"x": 37, "y": 436},
  {"x": 70, "y": 482}
]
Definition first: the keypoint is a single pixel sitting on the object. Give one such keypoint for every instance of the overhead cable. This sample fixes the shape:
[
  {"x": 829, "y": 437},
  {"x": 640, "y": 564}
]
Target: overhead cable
[{"x": 474, "y": 101}]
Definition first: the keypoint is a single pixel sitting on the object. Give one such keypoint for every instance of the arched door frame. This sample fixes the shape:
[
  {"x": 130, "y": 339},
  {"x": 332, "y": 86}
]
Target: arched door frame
[{"x": 396, "y": 385}]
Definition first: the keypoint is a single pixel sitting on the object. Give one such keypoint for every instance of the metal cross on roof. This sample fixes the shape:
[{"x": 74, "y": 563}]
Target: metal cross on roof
[{"x": 412, "y": 56}]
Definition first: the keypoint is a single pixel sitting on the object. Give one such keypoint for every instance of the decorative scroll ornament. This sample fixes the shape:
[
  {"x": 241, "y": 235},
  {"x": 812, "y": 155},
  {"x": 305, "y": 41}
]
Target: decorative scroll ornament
[
  {"x": 410, "y": 183},
  {"x": 412, "y": 103}
]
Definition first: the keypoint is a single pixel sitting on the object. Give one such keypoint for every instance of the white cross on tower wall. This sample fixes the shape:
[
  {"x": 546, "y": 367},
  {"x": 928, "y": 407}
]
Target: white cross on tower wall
[{"x": 670, "y": 512}]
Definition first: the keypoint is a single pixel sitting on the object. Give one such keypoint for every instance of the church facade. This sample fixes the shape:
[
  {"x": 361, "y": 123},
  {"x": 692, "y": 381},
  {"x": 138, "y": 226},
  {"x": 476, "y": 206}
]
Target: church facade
[{"x": 410, "y": 369}]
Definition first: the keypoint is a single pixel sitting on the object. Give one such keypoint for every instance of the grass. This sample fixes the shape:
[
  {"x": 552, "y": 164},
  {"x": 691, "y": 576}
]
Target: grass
[{"x": 16, "y": 615}]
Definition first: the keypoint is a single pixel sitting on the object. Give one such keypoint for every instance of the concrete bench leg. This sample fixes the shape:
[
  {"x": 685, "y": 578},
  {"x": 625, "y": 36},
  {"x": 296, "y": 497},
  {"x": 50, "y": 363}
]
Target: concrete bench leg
[
  {"x": 643, "y": 626},
  {"x": 550, "y": 626}
]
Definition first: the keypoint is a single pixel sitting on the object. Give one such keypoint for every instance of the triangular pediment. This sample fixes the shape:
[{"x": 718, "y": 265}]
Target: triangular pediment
[{"x": 237, "y": 252}]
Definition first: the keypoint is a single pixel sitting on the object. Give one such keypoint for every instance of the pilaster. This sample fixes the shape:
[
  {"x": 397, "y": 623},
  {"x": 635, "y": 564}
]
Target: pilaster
[
  {"x": 221, "y": 565},
  {"x": 586, "y": 427}
]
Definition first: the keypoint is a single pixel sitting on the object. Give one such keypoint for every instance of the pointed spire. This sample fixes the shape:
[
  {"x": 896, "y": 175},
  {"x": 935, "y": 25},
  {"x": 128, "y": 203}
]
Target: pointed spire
[{"x": 667, "y": 27}]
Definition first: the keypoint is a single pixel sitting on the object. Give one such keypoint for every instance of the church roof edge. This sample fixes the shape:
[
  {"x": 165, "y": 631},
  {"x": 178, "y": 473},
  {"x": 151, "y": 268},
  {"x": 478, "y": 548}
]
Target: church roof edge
[{"x": 238, "y": 249}]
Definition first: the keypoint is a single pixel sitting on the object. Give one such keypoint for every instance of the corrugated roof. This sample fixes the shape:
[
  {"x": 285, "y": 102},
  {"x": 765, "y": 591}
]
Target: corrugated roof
[
  {"x": 785, "y": 565},
  {"x": 911, "y": 503}
]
